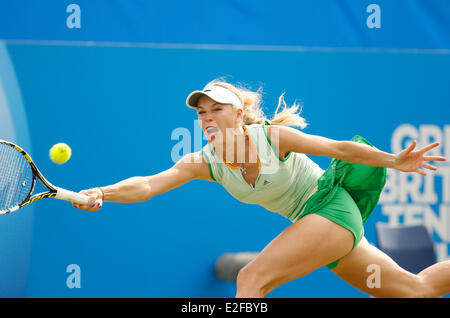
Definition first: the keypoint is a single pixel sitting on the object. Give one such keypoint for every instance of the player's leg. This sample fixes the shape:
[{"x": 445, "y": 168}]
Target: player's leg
[
  {"x": 310, "y": 243},
  {"x": 357, "y": 267},
  {"x": 437, "y": 278}
]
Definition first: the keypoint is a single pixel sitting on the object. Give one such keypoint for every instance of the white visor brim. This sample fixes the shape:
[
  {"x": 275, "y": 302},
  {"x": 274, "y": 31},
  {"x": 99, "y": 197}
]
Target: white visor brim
[{"x": 217, "y": 93}]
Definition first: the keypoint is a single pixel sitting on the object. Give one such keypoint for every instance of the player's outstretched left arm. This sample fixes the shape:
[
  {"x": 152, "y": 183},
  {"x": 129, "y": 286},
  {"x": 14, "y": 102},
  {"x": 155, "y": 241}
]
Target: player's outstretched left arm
[{"x": 408, "y": 160}]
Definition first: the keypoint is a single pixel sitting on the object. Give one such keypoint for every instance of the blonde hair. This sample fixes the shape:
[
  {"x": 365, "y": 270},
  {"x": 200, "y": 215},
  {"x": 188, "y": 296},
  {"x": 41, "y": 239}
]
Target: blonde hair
[{"x": 253, "y": 113}]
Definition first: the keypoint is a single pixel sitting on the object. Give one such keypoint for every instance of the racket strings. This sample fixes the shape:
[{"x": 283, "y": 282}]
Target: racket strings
[{"x": 16, "y": 177}]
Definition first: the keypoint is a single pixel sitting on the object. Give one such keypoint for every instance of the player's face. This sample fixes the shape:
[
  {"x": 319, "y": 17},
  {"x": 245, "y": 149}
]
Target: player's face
[{"x": 215, "y": 118}]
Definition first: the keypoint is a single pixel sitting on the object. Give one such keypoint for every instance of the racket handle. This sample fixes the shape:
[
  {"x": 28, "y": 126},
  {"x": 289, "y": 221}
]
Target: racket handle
[{"x": 71, "y": 196}]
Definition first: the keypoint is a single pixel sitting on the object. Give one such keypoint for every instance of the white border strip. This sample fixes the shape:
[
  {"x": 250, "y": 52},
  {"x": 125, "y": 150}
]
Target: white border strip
[{"x": 227, "y": 47}]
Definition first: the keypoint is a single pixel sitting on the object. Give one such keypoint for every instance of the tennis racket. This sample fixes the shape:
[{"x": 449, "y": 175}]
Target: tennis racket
[{"x": 18, "y": 175}]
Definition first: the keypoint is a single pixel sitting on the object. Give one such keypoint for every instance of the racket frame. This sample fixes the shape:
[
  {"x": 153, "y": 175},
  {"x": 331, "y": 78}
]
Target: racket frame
[{"x": 54, "y": 192}]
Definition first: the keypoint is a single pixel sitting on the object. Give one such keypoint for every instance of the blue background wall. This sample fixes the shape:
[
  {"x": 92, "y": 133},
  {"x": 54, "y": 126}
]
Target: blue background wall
[{"x": 114, "y": 90}]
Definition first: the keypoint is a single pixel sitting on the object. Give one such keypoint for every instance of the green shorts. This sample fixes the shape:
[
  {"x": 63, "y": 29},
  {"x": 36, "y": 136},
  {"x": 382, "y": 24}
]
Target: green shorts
[{"x": 347, "y": 194}]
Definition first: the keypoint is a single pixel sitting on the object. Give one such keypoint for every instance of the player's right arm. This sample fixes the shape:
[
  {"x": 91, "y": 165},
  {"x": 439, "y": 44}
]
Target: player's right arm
[{"x": 138, "y": 189}]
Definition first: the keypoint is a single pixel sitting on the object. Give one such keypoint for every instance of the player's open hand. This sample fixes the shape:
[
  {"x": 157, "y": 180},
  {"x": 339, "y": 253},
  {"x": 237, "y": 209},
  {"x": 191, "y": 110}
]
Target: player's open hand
[
  {"x": 409, "y": 160},
  {"x": 95, "y": 200}
]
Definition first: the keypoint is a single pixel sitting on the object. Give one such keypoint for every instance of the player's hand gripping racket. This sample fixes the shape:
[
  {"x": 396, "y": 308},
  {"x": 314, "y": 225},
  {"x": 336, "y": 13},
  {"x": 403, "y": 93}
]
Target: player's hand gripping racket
[{"x": 18, "y": 175}]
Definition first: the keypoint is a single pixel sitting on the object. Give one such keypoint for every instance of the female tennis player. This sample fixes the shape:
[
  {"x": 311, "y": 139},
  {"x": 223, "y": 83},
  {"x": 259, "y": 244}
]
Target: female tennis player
[{"x": 265, "y": 162}]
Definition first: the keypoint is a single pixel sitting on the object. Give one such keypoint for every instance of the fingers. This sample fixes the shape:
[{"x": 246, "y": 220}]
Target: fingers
[
  {"x": 95, "y": 206},
  {"x": 429, "y": 147},
  {"x": 434, "y": 158},
  {"x": 431, "y": 158},
  {"x": 95, "y": 201},
  {"x": 420, "y": 171},
  {"x": 411, "y": 146},
  {"x": 91, "y": 207},
  {"x": 428, "y": 166}
]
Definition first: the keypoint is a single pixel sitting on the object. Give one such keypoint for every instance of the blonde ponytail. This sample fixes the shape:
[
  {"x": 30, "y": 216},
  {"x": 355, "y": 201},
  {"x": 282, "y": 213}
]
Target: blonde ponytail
[
  {"x": 253, "y": 114},
  {"x": 289, "y": 115}
]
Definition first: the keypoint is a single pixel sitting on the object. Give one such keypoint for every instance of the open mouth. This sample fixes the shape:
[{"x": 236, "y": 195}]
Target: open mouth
[{"x": 212, "y": 131}]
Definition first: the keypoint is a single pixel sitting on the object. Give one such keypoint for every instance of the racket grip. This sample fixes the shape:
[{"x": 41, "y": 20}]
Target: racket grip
[{"x": 63, "y": 194}]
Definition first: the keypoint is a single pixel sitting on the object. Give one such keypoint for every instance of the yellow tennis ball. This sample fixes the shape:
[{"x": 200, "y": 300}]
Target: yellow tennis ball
[{"x": 60, "y": 153}]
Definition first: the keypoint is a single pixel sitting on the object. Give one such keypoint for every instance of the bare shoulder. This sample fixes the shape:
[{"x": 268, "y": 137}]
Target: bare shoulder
[
  {"x": 276, "y": 131},
  {"x": 280, "y": 136},
  {"x": 283, "y": 130},
  {"x": 195, "y": 164}
]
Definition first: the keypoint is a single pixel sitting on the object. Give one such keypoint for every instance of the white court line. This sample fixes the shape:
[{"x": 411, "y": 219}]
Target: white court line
[{"x": 227, "y": 47}]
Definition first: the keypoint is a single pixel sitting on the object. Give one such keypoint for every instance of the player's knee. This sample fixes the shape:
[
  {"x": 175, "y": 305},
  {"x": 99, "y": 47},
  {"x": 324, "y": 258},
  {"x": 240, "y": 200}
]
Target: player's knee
[
  {"x": 246, "y": 277},
  {"x": 417, "y": 288},
  {"x": 250, "y": 278},
  {"x": 423, "y": 288}
]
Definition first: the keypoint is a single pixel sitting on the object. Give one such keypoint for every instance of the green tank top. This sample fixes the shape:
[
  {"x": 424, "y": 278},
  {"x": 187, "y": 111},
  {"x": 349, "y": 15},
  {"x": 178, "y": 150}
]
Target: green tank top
[{"x": 283, "y": 185}]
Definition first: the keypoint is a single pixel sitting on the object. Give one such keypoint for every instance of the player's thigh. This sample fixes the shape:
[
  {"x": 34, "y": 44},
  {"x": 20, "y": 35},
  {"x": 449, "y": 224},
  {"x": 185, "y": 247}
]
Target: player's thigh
[
  {"x": 310, "y": 243},
  {"x": 375, "y": 273}
]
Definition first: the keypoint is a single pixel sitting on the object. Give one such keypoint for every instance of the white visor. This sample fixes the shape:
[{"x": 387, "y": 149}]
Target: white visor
[{"x": 217, "y": 93}]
